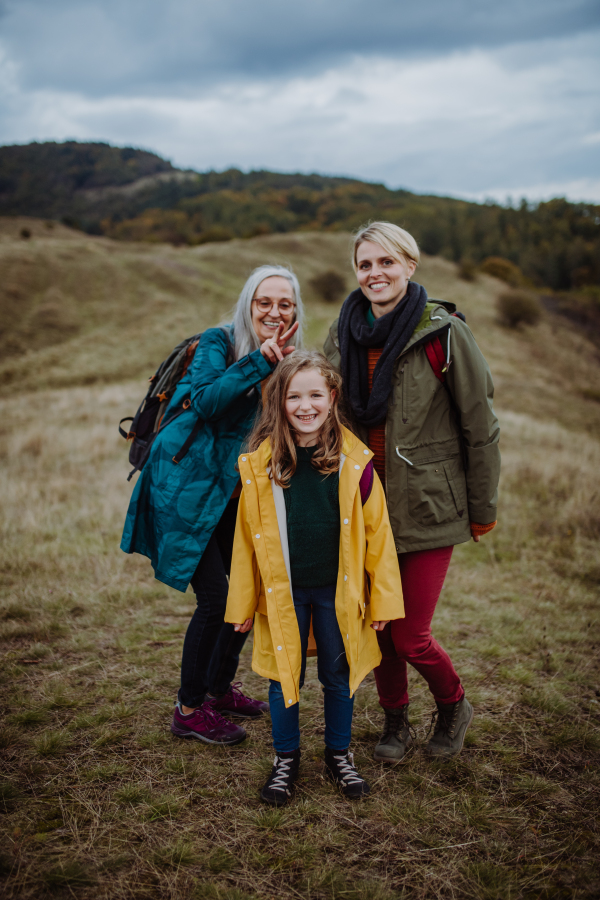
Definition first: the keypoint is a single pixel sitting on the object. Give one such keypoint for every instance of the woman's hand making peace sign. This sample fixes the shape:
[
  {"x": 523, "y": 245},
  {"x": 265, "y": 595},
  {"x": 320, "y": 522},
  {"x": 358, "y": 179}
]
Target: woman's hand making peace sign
[{"x": 274, "y": 349}]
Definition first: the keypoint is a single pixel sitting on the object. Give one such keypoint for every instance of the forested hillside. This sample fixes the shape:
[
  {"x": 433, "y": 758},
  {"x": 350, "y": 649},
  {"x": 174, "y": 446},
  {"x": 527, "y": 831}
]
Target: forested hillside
[{"x": 130, "y": 194}]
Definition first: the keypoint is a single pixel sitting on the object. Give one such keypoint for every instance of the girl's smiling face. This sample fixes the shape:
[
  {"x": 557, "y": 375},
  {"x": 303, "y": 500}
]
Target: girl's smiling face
[
  {"x": 307, "y": 405},
  {"x": 382, "y": 278}
]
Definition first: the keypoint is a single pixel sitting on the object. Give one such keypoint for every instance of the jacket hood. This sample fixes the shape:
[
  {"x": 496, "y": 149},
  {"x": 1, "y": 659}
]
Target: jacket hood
[
  {"x": 351, "y": 446},
  {"x": 436, "y": 319}
]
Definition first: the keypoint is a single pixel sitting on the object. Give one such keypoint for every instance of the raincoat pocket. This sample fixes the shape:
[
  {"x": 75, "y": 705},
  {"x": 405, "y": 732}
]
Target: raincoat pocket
[
  {"x": 262, "y": 635},
  {"x": 433, "y": 495},
  {"x": 456, "y": 481}
]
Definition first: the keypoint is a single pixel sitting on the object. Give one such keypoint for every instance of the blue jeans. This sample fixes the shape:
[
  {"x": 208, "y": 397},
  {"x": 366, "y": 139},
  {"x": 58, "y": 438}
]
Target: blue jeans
[{"x": 333, "y": 672}]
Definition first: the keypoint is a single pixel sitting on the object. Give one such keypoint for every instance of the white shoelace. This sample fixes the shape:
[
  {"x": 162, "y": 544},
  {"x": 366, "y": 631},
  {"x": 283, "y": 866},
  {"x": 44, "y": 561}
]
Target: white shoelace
[
  {"x": 279, "y": 783},
  {"x": 348, "y": 773}
]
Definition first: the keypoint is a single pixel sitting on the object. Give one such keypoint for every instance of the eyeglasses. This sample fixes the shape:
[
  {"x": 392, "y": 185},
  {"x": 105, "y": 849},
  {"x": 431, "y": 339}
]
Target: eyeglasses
[{"x": 284, "y": 306}]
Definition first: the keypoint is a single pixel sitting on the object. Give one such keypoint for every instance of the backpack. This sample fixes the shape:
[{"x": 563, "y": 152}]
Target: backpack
[{"x": 149, "y": 419}]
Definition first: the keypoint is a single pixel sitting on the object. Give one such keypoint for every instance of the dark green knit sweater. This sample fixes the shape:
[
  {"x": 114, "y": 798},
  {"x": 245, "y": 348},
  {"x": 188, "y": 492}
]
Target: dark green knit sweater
[{"x": 312, "y": 507}]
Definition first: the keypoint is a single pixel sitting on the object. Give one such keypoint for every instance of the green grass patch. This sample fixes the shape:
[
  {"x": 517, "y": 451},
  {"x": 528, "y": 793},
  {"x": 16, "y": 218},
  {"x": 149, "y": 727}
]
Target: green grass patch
[{"x": 52, "y": 743}]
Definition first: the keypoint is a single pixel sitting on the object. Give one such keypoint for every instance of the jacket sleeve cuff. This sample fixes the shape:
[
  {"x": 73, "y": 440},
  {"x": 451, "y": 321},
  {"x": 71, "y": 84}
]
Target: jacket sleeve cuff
[
  {"x": 255, "y": 367},
  {"x": 238, "y": 618},
  {"x": 479, "y": 530}
]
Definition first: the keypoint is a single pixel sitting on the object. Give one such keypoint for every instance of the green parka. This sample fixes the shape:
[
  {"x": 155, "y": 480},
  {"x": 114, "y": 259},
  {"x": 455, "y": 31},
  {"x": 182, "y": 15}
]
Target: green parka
[{"x": 442, "y": 461}]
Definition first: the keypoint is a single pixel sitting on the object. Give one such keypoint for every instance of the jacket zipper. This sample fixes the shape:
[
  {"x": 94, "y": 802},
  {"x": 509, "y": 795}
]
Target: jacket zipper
[{"x": 404, "y": 412}]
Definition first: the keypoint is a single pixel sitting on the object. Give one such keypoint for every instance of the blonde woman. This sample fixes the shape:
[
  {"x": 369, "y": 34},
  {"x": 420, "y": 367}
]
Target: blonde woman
[{"x": 419, "y": 393}]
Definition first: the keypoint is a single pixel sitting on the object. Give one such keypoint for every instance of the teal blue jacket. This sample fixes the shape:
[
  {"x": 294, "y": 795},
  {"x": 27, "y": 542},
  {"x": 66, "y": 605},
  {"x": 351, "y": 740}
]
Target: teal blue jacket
[{"x": 175, "y": 508}]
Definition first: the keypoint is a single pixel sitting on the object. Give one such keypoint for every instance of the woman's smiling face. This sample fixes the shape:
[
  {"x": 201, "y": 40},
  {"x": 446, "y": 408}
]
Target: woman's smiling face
[
  {"x": 307, "y": 405},
  {"x": 276, "y": 295},
  {"x": 383, "y": 278}
]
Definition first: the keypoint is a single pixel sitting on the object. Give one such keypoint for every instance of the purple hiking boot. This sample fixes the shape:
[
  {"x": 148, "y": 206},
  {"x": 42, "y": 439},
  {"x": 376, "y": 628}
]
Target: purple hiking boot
[
  {"x": 237, "y": 705},
  {"x": 206, "y": 724}
]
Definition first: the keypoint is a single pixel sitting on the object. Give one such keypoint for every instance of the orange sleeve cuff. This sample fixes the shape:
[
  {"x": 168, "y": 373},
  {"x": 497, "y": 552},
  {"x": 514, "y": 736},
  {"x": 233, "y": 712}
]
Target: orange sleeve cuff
[{"x": 481, "y": 529}]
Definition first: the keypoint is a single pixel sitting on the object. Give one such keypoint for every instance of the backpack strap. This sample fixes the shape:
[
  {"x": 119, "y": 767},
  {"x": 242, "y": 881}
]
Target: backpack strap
[
  {"x": 189, "y": 441},
  {"x": 366, "y": 482},
  {"x": 439, "y": 360},
  {"x": 125, "y": 434}
]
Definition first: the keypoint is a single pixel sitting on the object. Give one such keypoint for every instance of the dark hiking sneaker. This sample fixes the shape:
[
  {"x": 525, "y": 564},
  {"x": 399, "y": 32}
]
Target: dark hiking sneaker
[
  {"x": 237, "y": 705},
  {"x": 396, "y": 737},
  {"x": 278, "y": 787},
  {"x": 448, "y": 737},
  {"x": 205, "y": 724},
  {"x": 340, "y": 768}
]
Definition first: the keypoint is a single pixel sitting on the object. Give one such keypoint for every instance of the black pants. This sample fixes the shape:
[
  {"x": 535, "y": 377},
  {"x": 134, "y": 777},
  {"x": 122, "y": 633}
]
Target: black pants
[{"x": 211, "y": 649}]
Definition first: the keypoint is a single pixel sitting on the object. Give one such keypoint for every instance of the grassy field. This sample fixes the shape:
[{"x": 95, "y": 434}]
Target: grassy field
[{"x": 98, "y": 800}]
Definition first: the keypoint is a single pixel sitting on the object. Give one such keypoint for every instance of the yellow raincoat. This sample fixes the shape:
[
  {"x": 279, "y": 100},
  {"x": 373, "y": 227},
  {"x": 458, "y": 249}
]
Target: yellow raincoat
[{"x": 260, "y": 583}]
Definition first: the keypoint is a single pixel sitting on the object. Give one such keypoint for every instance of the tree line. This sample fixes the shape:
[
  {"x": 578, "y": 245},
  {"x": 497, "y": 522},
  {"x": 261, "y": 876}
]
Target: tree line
[{"x": 130, "y": 194}]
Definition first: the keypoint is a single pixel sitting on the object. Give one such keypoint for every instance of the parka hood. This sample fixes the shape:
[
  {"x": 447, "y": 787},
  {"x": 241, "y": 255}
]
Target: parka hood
[{"x": 261, "y": 457}]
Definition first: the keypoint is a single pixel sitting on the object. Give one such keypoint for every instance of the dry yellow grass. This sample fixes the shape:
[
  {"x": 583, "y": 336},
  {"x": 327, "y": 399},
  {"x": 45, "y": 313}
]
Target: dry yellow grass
[{"x": 97, "y": 800}]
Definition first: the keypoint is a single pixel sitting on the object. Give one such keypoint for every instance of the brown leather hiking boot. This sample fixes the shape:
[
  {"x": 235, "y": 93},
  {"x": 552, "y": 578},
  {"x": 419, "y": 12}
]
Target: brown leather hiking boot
[
  {"x": 396, "y": 737},
  {"x": 451, "y": 723}
]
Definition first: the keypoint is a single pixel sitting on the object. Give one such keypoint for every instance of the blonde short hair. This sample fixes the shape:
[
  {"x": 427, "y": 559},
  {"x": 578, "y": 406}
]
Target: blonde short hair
[{"x": 394, "y": 240}]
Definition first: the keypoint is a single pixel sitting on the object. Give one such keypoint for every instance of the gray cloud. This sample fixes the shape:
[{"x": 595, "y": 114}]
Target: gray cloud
[
  {"x": 466, "y": 97},
  {"x": 153, "y": 46}
]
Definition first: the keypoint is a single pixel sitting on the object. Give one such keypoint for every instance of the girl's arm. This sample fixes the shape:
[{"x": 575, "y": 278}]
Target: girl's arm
[
  {"x": 244, "y": 581},
  {"x": 381, "y": 559},
  {"x": 214, "y": 386}
]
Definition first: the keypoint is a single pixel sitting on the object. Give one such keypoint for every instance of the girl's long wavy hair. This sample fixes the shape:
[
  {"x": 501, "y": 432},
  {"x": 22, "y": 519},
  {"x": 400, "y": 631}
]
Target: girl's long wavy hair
[{"x": 273, "y": 422}]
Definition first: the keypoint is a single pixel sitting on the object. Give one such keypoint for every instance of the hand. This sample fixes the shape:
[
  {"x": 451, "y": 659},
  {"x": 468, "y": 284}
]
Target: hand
[
  {"x": 273, "y": 348},
  {"x": 476, "y": 538},
  {"x": 379, "y": 626},
  {"x": 245, "y": 627}
]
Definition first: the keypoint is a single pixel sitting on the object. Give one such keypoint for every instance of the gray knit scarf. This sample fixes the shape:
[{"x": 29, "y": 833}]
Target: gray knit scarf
[{"x": 392, "y": 332}]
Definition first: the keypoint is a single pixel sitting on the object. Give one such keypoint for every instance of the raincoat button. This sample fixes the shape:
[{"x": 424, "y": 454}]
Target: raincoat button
[
  {"x": 248, "y": 481},
  {"x": 357, "y": 467},
  {"x": 290, "y": 702},
  {"x": 269, "y": 590},
  {"x": 366, "y": 452},
  {"x": 345, "y": 578},
  {"x": 345, "y": 521},
  {"x": 348, "y": 637},
  {"x": 279, "y": 648},
  {"x": 243, "y": 459},
  {"x": 258, "y": 535}
]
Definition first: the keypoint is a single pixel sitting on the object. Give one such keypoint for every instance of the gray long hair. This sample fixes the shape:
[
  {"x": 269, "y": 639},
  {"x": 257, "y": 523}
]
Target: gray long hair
[{"x": 246, "y": 339}]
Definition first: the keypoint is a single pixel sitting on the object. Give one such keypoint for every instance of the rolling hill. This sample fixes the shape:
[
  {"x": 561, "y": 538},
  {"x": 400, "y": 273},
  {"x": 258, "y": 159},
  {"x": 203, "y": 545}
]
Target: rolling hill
[
  {"x": 79, "y": 309},
  {"x": 134, "y": 195}
]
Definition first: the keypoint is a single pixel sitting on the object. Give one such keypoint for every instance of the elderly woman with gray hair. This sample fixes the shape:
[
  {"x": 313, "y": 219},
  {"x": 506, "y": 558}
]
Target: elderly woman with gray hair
[{"x": 182, "y": 514}]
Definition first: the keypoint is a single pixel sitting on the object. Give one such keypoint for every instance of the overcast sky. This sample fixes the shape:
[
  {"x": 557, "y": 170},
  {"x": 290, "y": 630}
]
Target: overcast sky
[{"x": 474, "y": 98}]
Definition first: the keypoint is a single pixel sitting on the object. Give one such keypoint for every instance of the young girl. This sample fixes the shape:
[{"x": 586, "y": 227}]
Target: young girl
[{"x": 312, "y": 542}]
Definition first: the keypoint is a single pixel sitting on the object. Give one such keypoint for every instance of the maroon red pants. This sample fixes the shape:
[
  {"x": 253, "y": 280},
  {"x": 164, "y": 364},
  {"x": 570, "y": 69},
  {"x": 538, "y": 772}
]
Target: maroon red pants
[{"x": 409, "y": 640}]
